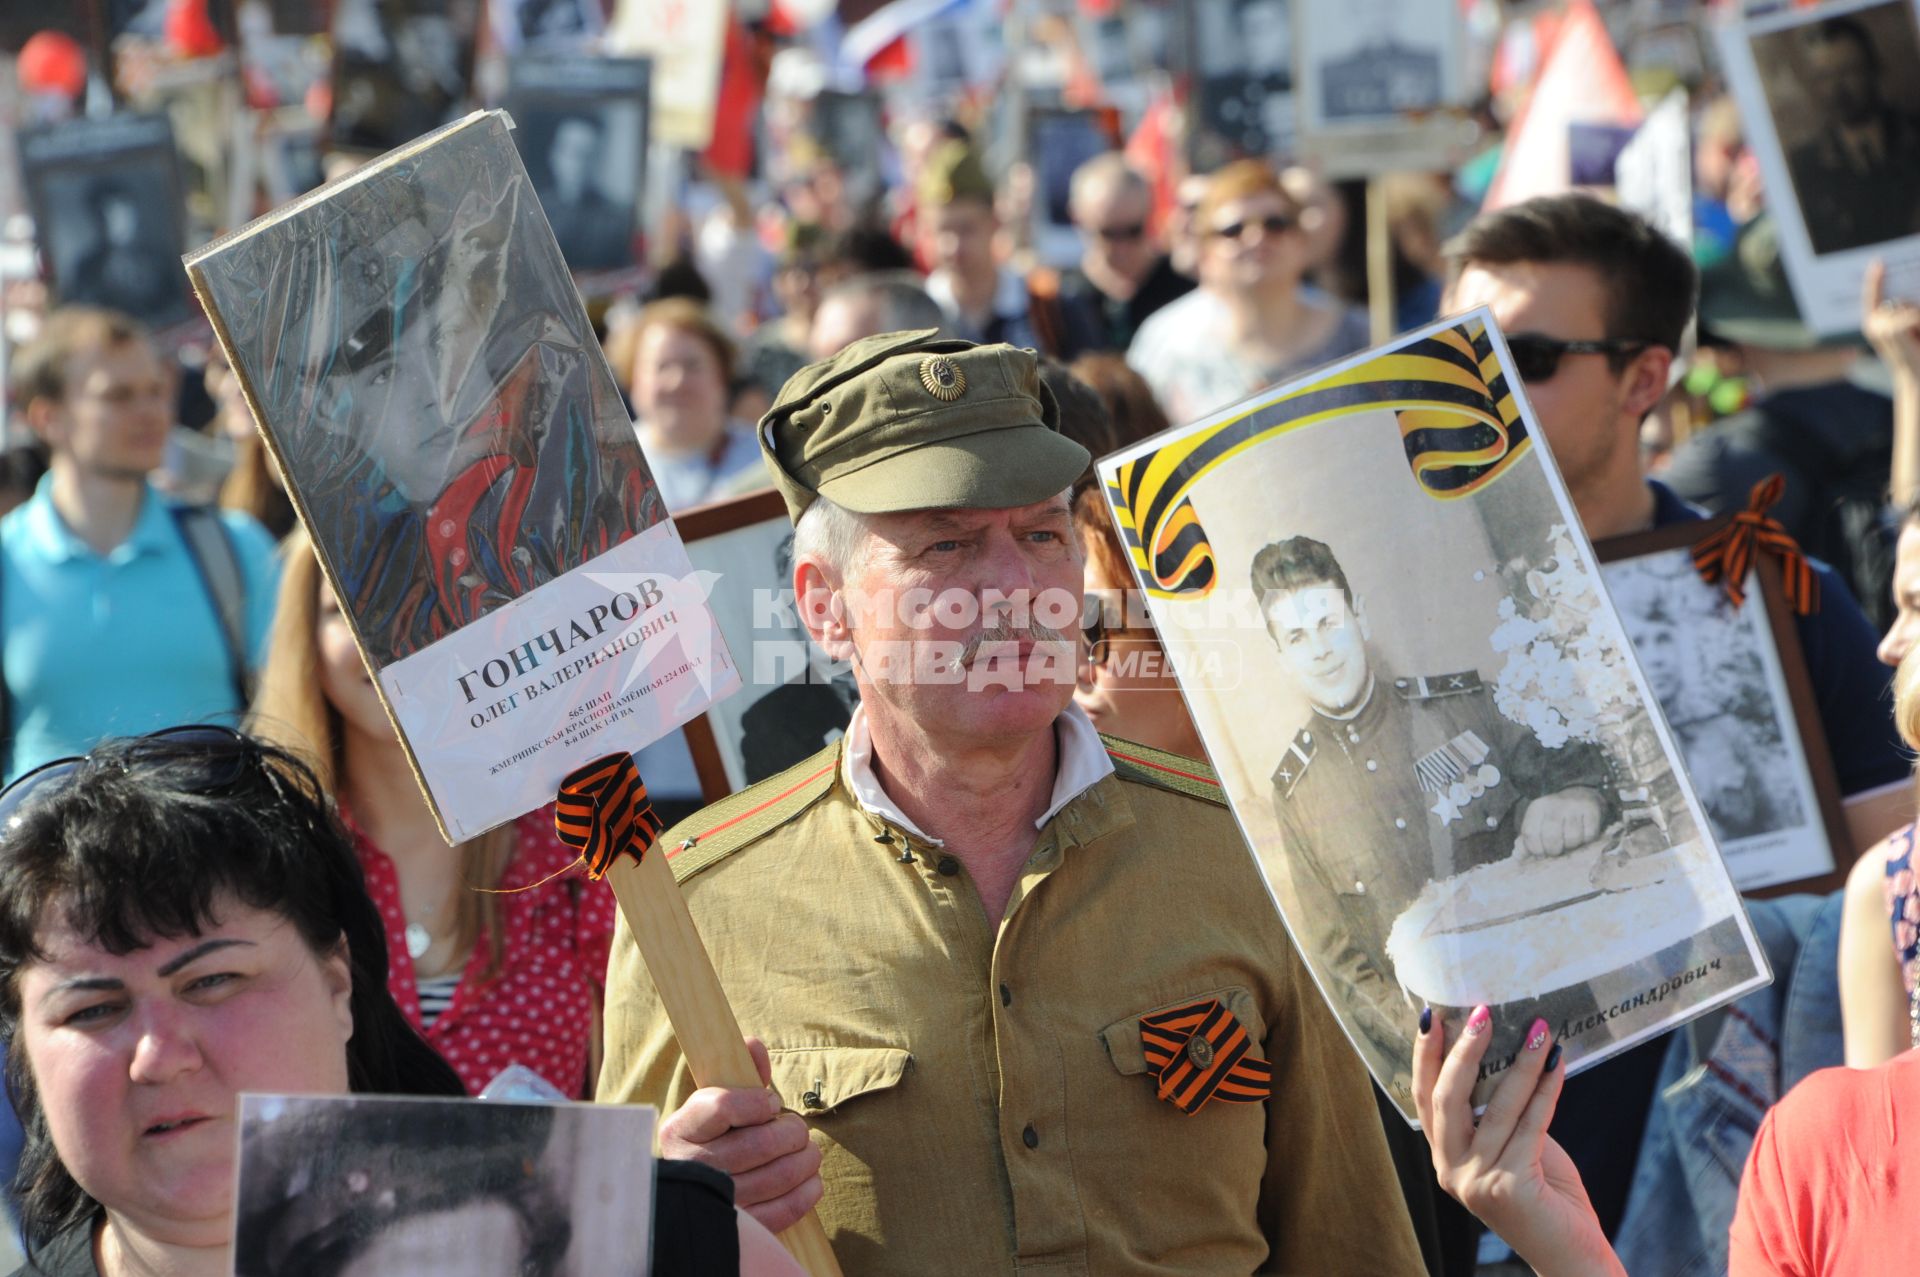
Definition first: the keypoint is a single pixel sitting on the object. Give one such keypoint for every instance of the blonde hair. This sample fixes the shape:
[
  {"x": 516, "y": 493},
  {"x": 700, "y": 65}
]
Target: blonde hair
[
  {"x": 291, "y": 710},
  {"x": 1906, "y": 698},
  {"x": 253, "y": 485}
]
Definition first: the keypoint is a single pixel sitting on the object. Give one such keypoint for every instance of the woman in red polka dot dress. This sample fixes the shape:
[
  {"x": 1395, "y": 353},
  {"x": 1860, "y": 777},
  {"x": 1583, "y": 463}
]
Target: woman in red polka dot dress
[{"x": 491, "y": 978}]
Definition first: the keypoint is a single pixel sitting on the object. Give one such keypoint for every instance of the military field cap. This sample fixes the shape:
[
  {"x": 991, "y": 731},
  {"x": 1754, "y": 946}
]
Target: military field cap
[
  {"x": 914, "y": 421},
  {"x": 954, "y": 172}
]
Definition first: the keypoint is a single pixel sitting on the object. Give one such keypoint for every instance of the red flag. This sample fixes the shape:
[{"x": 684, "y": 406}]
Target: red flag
[{"x": 742, "y": 84}]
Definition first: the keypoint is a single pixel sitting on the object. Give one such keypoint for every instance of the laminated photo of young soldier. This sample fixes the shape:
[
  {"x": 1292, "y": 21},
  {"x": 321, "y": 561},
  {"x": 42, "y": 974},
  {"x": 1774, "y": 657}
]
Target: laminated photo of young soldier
[
  {"x": 1421, "y": 762},
  {"x": 1436, "y": 738}
]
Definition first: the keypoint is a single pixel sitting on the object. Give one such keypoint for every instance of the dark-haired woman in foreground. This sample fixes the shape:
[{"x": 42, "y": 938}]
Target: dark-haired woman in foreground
[{"x": 181, "y": 919}]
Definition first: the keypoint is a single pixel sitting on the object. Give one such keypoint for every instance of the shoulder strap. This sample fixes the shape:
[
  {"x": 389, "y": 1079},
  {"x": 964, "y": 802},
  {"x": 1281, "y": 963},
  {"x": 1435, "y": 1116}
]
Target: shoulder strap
[
  {"x": 211, "y": 548},
  {"x": 1145, "y": 765}
]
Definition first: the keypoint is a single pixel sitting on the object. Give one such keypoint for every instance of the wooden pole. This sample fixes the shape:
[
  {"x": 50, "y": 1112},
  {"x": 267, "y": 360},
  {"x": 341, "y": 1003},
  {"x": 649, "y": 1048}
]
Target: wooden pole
[
  {"x": 1380, "y": 308},
  {"x": 702, "y": 1018}
]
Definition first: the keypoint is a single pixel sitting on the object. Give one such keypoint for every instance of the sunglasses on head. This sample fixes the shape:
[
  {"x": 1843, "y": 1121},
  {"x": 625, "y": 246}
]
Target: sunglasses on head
[
  {"x": 1537, "y": 358},
  {"x": 1124, "y": 232},
  {"x": 225, "y": 753},
  {"x": 1271, "y": 224}
]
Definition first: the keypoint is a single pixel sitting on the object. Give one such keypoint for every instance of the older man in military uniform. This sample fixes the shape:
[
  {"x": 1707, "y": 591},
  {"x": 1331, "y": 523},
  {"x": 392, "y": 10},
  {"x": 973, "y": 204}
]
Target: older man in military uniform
[
  {"x": 1023, "y": 984},
  {"x": 1398, "y": 781}
]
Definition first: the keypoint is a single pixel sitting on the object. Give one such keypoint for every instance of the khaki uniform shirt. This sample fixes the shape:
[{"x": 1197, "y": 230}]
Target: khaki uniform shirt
[{"x": 981, "y": 1096}]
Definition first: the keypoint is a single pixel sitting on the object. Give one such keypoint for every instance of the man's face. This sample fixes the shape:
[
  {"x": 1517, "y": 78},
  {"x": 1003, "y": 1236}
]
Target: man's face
[
  {"x": 1113, "y": 225},
  {"x": 571, "y": 158},
  {"x": 963, "y": 238},
  {"x": 120, "y": 221},
  {"x": 117, "y": 411},
  {"x": 1840, "y": 77},
  {"x": 931, "y": 583},
  {"x": 1581, "y": 406},
  {"x": 1268, "y": 31},
  {"x": 1322, "y": 643}
]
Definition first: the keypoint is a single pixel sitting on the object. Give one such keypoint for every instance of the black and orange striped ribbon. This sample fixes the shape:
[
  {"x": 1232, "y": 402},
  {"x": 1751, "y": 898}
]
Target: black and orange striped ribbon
[
  {"x": 1724, "y": 557},
  {"x": 602, "y": 812},
  {"x": 1222, "y": 1069}
]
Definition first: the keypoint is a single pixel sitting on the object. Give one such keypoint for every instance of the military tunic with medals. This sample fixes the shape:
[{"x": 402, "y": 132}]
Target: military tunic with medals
[{"x": 1425, "y": 780}]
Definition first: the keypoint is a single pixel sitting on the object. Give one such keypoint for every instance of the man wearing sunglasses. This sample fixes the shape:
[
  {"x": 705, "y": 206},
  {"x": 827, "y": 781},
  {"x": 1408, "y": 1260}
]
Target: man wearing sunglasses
[
  {"x": 1124, "y": 275},
  {"x": 1593, "y": 301}
]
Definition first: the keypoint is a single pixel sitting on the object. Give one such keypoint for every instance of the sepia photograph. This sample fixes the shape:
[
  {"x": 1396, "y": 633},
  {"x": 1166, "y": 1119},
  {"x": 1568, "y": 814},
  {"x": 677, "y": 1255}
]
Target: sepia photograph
[
  {"x": 794, "y": 701},
  {"x": 1758, "y": 763},
  {"x": 581, "y": 126},
  {"x": 109, "y": 204},
  {"x": 354, "y": 1186},
  {"x": 1832, "y": 111},
  {"x": 1436, "y": 738}
]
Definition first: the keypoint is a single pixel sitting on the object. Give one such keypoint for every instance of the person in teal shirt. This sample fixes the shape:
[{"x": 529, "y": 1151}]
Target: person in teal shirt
[{"x": 109, "y": 624}]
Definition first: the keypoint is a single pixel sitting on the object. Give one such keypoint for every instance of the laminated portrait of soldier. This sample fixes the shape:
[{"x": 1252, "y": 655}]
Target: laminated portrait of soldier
[
  {"x": 401, "y": 68},
  {"x": 1399, "y": 655},
  {"x": 1243, "y": 57}
]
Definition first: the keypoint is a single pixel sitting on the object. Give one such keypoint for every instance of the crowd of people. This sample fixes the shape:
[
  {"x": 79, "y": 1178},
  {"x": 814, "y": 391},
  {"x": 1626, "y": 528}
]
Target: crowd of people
[{"x": 219, "y": 874}]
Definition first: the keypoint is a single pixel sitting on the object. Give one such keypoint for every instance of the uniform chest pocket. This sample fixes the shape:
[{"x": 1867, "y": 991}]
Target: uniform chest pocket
[
  {"x": 818, "y": 1080},
  {"x": 1132, "y": 1043}
]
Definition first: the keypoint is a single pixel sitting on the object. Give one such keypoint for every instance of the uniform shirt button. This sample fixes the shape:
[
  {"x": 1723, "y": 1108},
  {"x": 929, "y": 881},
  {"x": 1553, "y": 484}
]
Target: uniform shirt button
[
  {"x": 1006, "y": 996},
  {"x": 948, "y": 866},
  {"x": 1353, "y": 736},
  {"x": 1492, "y": 823},
  {"x": 1372, "y": 765},
  {"x": 1030, "y": 1137},
  {"x": 1360, "y": 887},
  {"x": 1399, "y": 824}
]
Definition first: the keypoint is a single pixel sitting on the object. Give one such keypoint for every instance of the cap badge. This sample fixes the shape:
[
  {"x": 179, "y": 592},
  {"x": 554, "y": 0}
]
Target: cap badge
[{"x": 942, "y": 378}]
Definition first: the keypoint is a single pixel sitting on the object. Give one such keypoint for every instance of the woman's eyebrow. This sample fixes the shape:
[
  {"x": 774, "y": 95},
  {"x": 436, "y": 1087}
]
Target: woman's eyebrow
[{"x": 199, "y": 951}]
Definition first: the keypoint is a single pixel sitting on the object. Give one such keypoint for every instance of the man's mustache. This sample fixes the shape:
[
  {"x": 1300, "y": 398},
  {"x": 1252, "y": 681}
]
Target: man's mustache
[{"x": 1005, "y": 633}]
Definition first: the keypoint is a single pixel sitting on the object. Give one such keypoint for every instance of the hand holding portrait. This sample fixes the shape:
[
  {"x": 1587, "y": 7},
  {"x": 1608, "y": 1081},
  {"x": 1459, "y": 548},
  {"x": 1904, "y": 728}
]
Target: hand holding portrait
[
  {"x": 749, "y": 1135},
  {"x": 1504, "y": 1167}
]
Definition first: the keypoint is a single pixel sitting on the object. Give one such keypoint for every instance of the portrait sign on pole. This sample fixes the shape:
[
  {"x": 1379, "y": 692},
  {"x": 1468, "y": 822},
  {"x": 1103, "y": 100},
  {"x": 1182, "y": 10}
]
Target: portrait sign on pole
[
  {"x": 414, "y": 350},
  {"x": 1382, "y": 85},
  {"x": 1393, "y": 638}
]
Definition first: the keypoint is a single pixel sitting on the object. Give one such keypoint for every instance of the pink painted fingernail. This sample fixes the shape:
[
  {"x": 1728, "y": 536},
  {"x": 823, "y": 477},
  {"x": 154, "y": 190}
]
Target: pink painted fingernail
[
  {"x": 1537, "y": 1035},
  {"x": 1478, "y": 1022}
]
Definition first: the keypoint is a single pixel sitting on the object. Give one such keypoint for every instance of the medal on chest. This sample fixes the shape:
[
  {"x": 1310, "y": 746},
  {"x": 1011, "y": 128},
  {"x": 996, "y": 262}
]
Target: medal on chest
[{"x": 1456, "y": 774}]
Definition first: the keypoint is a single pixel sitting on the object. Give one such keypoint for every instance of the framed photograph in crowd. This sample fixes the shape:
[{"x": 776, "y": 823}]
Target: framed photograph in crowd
[
  {"x": 851, "y": 128},
  {"x": 1059, "y": 141},
  {"x": 794, "y": 702},
  {"x": 1243, "y": 67},
  {"x": 1381, "y": 84},
  {"x": 1733, "y": 686},
  {"x": 580, "y": 122},
  {"x": 391, "y": 1184},
  {"x": 1388, "y": 626},
  {"x": 109, "y": 203},
  {"x": 1831, "y": 109},
  {"x": 401, "y": 68}
]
